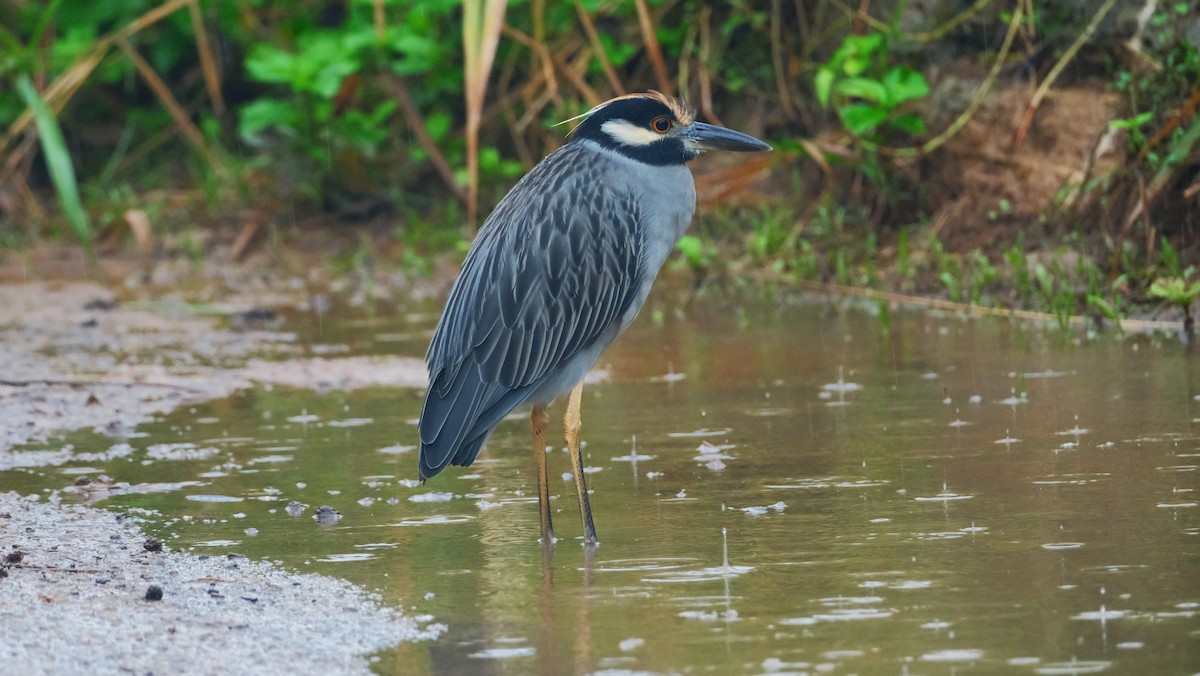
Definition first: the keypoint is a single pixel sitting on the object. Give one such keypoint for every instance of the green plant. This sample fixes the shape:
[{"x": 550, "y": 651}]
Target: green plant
[
  {"x": 1179, "y": 292},
  {"x": 698, "y": 254},
  {"x": 62, "y": 172},
  {"x": 867, "y": 91}
]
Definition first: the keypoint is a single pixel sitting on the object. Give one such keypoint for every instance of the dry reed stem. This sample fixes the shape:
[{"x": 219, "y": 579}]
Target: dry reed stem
[
  {"x": 482, "y": 23},
  {"x": 589, "y": 28},
  {"x": 703, "y": 72},
  {"x": 208, "y": 66},
  {"x": 65, "y": 85},
  {"x": 781, "y": 84},
  {"x": 160, "y": 89},
  {"x": 653, "y": 49},
  {"x": 379, "y": 19},
  {"x": 574, "y": 74},
  {"x": 1184, "y": 112},
  {"x": 416, "y": 123}
]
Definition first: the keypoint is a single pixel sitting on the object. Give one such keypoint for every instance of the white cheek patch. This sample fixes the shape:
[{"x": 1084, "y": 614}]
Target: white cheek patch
[{"x": 625, "y": 133}]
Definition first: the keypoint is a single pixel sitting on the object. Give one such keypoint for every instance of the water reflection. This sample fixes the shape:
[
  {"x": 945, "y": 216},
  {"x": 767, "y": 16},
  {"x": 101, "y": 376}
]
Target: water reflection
[{"x": 946, "y": 494}]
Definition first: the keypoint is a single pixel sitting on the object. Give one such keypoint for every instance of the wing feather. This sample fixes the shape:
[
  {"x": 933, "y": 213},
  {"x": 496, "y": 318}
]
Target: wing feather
[{"x": 553, "y": 269}]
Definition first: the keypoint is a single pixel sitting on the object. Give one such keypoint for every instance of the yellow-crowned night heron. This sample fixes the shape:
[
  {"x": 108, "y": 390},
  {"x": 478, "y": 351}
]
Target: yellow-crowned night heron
[{"x": 558, "y": 270}]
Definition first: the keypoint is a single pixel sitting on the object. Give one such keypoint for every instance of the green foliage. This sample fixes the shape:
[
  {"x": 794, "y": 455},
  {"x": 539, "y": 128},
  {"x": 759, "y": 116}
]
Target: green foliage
[
  {"x": 1176, "y": 290},
  {"x": 698, "y": 254},
  {"x": 62, "y": 173},
  {"x": 867, "y": 91}
]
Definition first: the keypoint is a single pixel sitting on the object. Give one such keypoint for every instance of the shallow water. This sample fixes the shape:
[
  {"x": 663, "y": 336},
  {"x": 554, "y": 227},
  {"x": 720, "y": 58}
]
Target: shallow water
[{"x": 942, "y": 495}]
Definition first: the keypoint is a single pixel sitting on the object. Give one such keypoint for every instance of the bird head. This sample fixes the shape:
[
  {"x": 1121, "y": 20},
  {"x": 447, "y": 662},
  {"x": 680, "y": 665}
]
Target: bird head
[{"x": 656, "y": 129}]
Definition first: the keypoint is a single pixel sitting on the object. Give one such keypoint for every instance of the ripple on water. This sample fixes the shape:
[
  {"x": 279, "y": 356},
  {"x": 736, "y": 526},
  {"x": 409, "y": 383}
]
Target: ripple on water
[
  {"x": 953, "y": 655},
  {"x": 503, "y": 653},
  {"x": 1101, "y": 615},
  {"x": 942, "y": 497},
  {"x": 849, "y": 600},
  {"x": 839, "y": 615},
  {"x": 1062, "y": 545},
  {"x": 1073, "y": 667},
  {"x": 343, "y": 558},
  {"x": 703, "y": 432},
  {"x": 436, "y": 520},
  {"x": 351, "y": 422},
  {"x": 639, "y": 565},
  {"x": 702, "y": 575},
  {"x": 214, "y": 498},
  {"x": 436, "y": 496}
]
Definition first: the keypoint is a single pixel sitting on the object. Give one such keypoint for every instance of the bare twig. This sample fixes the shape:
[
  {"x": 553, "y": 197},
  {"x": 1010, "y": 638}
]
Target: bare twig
[
  {"x": 1185, "y": 111},
  {"x": 705, "y": 74},
  {"x": 574, "y": 75},
  {"x": 781, "y": 79},
  {"x": 653, "y": 49},
  {"x": 976, "y": 101},
  {"x": 861, "y": 15},
  {"x": 1057, "y": 70},
  {"x": 185, "y": 124},
  {"x": 589, "y": 28},
  {"x": 208, "y": 66},
  {"x": 416, "y": 123}
]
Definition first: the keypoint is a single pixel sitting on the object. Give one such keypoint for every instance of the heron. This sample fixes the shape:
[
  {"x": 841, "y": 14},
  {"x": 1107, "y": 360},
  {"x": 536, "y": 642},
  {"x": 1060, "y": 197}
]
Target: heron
[{"x": 557, "y": 271}]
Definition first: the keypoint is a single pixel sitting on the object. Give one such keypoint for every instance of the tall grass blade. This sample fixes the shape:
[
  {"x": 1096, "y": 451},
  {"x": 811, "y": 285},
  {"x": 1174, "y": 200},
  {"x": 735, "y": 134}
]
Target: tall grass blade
[
  {"x": 482, "y": 22},
  {"x": 58, "y": 160}
]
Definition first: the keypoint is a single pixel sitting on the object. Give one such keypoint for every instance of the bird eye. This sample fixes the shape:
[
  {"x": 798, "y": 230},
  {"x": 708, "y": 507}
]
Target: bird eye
[{"x": 661, "y": 124}]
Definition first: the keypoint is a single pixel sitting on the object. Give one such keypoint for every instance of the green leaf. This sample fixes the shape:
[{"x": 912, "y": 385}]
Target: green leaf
[
  {"x": 861, "y": 119},
  {"x": 863, "y": 88},
  {"x": 904, "y": 84},
  {"x": 268, "y": 63},
  {"x": 262, "y": 114},
  {"x": 58, "y": 160},
  {"x": 438, "y": 125},
  {"x": 910, "y": 123},
  {"x": 1104, "y": 307},
  {"x": 1134, "y": 122},
  {"x": 1175, "y": 290},
  {"x": 823, "y": 85},
  {"x": 857, "y": 52}
]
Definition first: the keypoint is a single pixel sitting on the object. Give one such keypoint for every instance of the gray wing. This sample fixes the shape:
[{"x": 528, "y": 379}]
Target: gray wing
[{"x": 553, "y": 268}]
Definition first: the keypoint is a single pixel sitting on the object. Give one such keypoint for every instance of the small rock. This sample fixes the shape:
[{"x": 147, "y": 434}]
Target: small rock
[
  {"x": 154, "y": 593},
  {"x": 100, "y": 304},
  {"x": 294, "y": 508},
  {"x": 83, "y": 481},
  {"x": 327, "y": 515},
  {"x": 153, "y": 545},
  {"x": 14, "y": 556}
]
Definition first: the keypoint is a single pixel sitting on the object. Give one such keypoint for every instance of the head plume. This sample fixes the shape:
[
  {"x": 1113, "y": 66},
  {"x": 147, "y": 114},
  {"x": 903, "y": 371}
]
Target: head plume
[{"x": 684, "y": 115}]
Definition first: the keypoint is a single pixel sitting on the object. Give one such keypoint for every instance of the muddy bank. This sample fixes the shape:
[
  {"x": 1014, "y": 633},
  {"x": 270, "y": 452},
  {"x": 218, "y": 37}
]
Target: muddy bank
[
  {"x": 81, "y": 592},
  {"x": 72, "y": 357}
]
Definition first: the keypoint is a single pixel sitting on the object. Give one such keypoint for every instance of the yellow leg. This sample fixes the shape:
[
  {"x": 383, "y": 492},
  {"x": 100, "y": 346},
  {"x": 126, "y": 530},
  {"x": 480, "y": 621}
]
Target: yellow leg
[
  {"x": 540, "y": 420},
  {"x": 572, "y": 424}
]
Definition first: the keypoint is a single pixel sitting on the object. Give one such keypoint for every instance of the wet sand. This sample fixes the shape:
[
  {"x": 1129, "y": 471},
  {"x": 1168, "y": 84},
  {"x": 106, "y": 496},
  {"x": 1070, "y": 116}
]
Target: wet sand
[{"x": 76, "y": 582}]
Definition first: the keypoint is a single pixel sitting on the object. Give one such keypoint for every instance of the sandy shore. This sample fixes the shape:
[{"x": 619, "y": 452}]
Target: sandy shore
[
  {"x": 74, "y": 580},
  {"x": 73, "y": 599}
]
